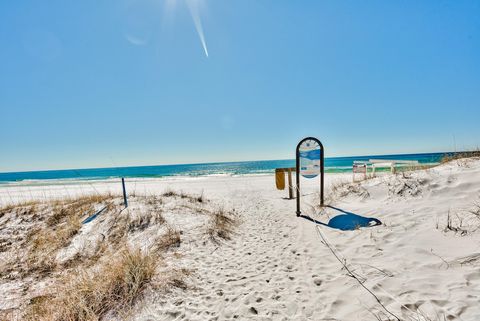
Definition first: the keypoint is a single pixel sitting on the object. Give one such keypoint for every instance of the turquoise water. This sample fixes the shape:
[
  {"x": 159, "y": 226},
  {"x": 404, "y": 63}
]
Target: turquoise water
[{"x": 332, "y": 164}]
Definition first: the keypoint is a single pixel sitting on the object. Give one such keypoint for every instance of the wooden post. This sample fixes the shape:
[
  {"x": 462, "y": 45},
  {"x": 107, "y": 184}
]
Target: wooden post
[
  {"x": 125, "y": 201},
  {"x": 290, "y": 187}
]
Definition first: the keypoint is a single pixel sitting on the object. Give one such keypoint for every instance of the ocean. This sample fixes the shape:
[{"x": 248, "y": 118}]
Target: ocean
[{"x": 332, "y": 165}]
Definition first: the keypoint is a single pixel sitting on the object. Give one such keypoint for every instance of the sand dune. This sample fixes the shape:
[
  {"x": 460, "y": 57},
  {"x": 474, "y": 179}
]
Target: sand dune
[{"x": 422, "y": 262}]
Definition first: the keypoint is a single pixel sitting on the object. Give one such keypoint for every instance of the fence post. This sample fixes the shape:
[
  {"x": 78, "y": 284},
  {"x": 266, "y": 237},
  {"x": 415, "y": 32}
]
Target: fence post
[
  {"x": 290, "y": 187},
  {"x": 125, "y": 201}
]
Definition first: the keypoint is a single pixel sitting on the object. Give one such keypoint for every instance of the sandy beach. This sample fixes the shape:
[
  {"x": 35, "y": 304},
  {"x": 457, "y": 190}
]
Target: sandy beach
[
  {"x": 199, "y": 160},
  {"x": 421, "y": 262}
]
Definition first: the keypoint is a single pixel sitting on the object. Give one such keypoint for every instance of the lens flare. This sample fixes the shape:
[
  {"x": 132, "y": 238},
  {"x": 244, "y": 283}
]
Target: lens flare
[
  {"x": 194, "y": 7},
  {"x": 195, "y": 12}
]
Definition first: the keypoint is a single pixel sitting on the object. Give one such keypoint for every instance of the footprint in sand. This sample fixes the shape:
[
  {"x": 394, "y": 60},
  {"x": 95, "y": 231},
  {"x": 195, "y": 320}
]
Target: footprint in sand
[{"x": 253, "y": 310}]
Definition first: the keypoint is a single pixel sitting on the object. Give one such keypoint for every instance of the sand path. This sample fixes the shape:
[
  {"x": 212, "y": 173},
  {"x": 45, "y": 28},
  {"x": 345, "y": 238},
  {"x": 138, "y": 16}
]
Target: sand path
[{"x": 269, "y": 271}]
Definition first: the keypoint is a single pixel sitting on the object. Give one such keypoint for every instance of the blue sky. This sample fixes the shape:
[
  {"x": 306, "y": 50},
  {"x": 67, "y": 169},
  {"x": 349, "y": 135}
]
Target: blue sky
[{"x": 113, "y": 83}]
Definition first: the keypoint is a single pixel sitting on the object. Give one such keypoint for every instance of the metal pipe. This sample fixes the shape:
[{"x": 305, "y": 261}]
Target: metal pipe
[{"x": 125, "y": 201}]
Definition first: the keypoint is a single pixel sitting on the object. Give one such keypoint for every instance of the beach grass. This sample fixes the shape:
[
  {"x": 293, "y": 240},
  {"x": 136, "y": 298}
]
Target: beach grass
[
  {"x": 171, "y": 238},
  {"x": 221, "y": 225},
  {"x": 109, "y": 276},
  {"x": 113, "y": 287},
  {"x": 459, "y": 155}
]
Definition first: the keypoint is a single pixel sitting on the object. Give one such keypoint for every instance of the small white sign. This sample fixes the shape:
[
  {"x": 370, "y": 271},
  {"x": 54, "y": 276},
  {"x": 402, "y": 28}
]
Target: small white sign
[{"x": 310, "y": 154}]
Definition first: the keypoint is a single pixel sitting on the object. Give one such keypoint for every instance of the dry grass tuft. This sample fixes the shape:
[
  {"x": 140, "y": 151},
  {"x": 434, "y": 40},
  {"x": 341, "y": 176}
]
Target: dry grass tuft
[
  {"x": 45, "y": 242},
  {"x": 112, "y": 288},
  {"x": 221, "y": 225},
  {"x": 342, "y": 188},
  {"x": 38, "y": 306},
  {"x": 117, "y": 233},
  {"x": 172, "y": 238},
  {"x": 169, "y": 193},
  {"x": 463, "y": 222},
  {"x": 26, "y": 211},
  {"x": 459, "y": 155},
  {"x": 7, "y": 315},
  {"x": 153, "y": 200},
  {"x": 406, "y": 185},
  {"x": 64, "y": 222},
  {"x": 63, "y": 209},
  {"x": 141, "y": 222},
  {"x": 192, "y": 198},
  {"x": 338, "y": 185},
  {"x": 475, "y": 210},
  {"x": 200, "y": 198},
  {"x": 28, "y": 205},
  {"x": 58, "y": 215},
  {"x": 177, "y": 278},
  {"x": 455, "y": 224}
]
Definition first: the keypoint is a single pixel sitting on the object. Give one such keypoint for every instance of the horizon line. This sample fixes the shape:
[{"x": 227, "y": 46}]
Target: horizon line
[{"x": 219, "y": 162}]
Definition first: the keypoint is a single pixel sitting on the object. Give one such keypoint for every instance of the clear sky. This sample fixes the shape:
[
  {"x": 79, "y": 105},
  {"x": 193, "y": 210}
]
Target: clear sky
[{"x": 110, "y": 83}]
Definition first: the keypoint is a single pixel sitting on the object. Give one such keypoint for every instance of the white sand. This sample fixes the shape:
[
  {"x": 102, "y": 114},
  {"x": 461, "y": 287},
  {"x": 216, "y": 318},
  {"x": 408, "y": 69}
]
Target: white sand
[{"x": 277, "y": 268}]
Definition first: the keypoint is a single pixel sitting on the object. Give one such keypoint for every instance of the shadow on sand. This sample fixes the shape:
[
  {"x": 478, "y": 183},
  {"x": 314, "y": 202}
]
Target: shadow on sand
[{"x": 346, "y": 221}]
